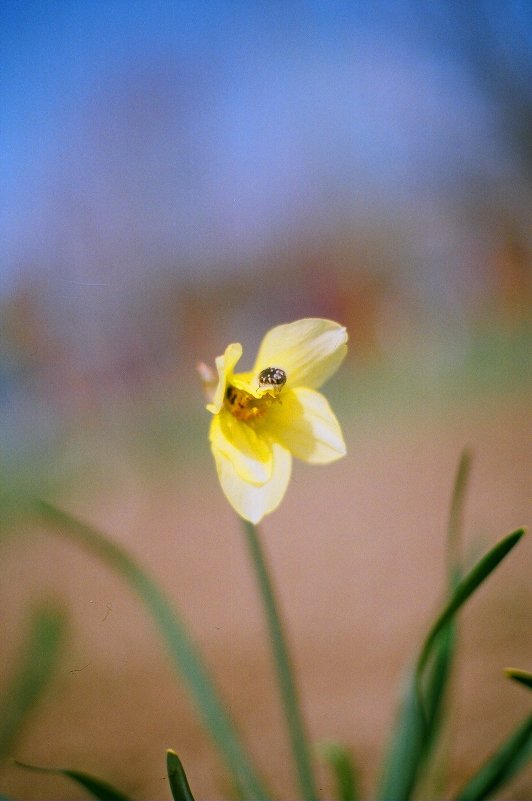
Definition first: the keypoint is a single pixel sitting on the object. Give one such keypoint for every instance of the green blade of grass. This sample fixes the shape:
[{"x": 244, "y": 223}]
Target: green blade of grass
[
  {"x": 31, "y": 674},
  {"x": 436, "y": 684},
  {"x": 342, "y": 765},
  {"x": 96, "y": 787},
  {"x": 435, "y": 695},
  {"x": 406, "y": 746},
  {"x": 465, "y": 588},
  {"x": 177, "y": 778},
  {"x": 500, "y": 767},
  {"x": 183, "y": 652},
  {"x": 455, "y": 523},
  {"x": 419, "y": 724},
  {"x": 419, "y": 717},
  {"x": 417, "y": 727},
  {"x": 430, "y": 690},
  {"x": 521, "y": 676},
  {"x": 437, "y": 687}
]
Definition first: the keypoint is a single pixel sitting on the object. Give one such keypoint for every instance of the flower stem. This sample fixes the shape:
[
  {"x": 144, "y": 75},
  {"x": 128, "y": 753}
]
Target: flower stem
[{"x": 285, "y": 677}]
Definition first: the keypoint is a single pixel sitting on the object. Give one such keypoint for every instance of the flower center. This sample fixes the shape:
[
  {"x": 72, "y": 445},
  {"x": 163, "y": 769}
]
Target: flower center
[{"x": 244, "y": 406}]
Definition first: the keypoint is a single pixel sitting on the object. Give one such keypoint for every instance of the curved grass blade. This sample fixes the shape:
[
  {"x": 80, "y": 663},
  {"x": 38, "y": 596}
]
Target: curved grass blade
[
  {"x": 96, "y": 787},
  {"x": 177, "y": 778},
  {"x": 465, "y": 588},
  {"x": 341, "y": 763},
  {"x": 419, "y": 716},
  {"x": 183, "y": 652},
  {"x": 522, "y": 676},
  {"x": 501, "y": 767},
  {"x": 31, "y": 673}
]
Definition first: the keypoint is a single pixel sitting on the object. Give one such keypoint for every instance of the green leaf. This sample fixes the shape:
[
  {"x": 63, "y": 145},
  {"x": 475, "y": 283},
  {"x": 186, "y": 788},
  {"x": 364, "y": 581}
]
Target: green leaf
[
  {"x": 465, "y": 588},
  {"x": 522, "y": 676},
  {"x": 454, "y": 526},
  {"x": 439, "y": 668},
  {"x": 406, "y": 747},
  {"x": 435, "y": 692},
  {"x": 418, "y": 723},
  {"x": 96, "y": 787},
  {"x": 31, "y": 674},
  {"x": 177, "y": 778},
  {"x": 501, "y": 767},
  {"x": 420, "y": 714},
  {"x": 183, "y": 652},
  {"x": 341, "y": 762},
  {"x": 435, "y": 683}
]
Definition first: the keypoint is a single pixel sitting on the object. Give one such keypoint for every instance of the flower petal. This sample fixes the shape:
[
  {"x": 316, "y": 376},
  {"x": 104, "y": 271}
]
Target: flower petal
[
  {"x": 304, "y": 423},
  {"x": 308, "y": 350},
  {"x": 248, "y": 382},
  {"x": 250, "y": 501},
  {"x": 225, "y": 365},
  {"x": 250, "y": 454}
]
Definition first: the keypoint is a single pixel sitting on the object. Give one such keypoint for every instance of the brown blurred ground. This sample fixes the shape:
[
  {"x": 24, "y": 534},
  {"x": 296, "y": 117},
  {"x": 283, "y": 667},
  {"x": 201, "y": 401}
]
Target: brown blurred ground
[{"x": 357, "y": 553}]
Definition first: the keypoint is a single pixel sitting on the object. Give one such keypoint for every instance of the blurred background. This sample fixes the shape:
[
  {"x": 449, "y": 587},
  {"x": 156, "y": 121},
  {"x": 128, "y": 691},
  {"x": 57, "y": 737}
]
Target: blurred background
[{"x": 180, "y": 175}]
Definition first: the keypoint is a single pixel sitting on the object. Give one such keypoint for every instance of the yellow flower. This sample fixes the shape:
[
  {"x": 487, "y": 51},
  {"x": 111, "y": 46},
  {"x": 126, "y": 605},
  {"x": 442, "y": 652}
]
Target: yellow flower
[{"x": 264, "y": 417}]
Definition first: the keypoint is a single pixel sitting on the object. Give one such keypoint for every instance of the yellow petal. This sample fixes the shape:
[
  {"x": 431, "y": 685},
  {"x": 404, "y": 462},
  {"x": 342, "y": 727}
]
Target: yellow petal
[
  {"x": 252, "y": 502},
  {"x": 249, "y": 383},
  {"x": 225, "y": 365},
  {"x": 309, "y": 351},
  {"x": 303, "y": 422},
  {"x": 250, "y": 454}
]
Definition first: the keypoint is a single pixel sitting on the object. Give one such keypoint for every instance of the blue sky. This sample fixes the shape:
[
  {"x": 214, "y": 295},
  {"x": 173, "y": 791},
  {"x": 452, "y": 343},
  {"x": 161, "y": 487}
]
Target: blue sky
[{"x": 267, "y": 111}]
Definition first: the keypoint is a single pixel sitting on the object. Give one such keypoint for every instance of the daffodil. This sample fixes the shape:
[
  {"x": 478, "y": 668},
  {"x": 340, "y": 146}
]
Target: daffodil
[{"x": 261, "y": 418}]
